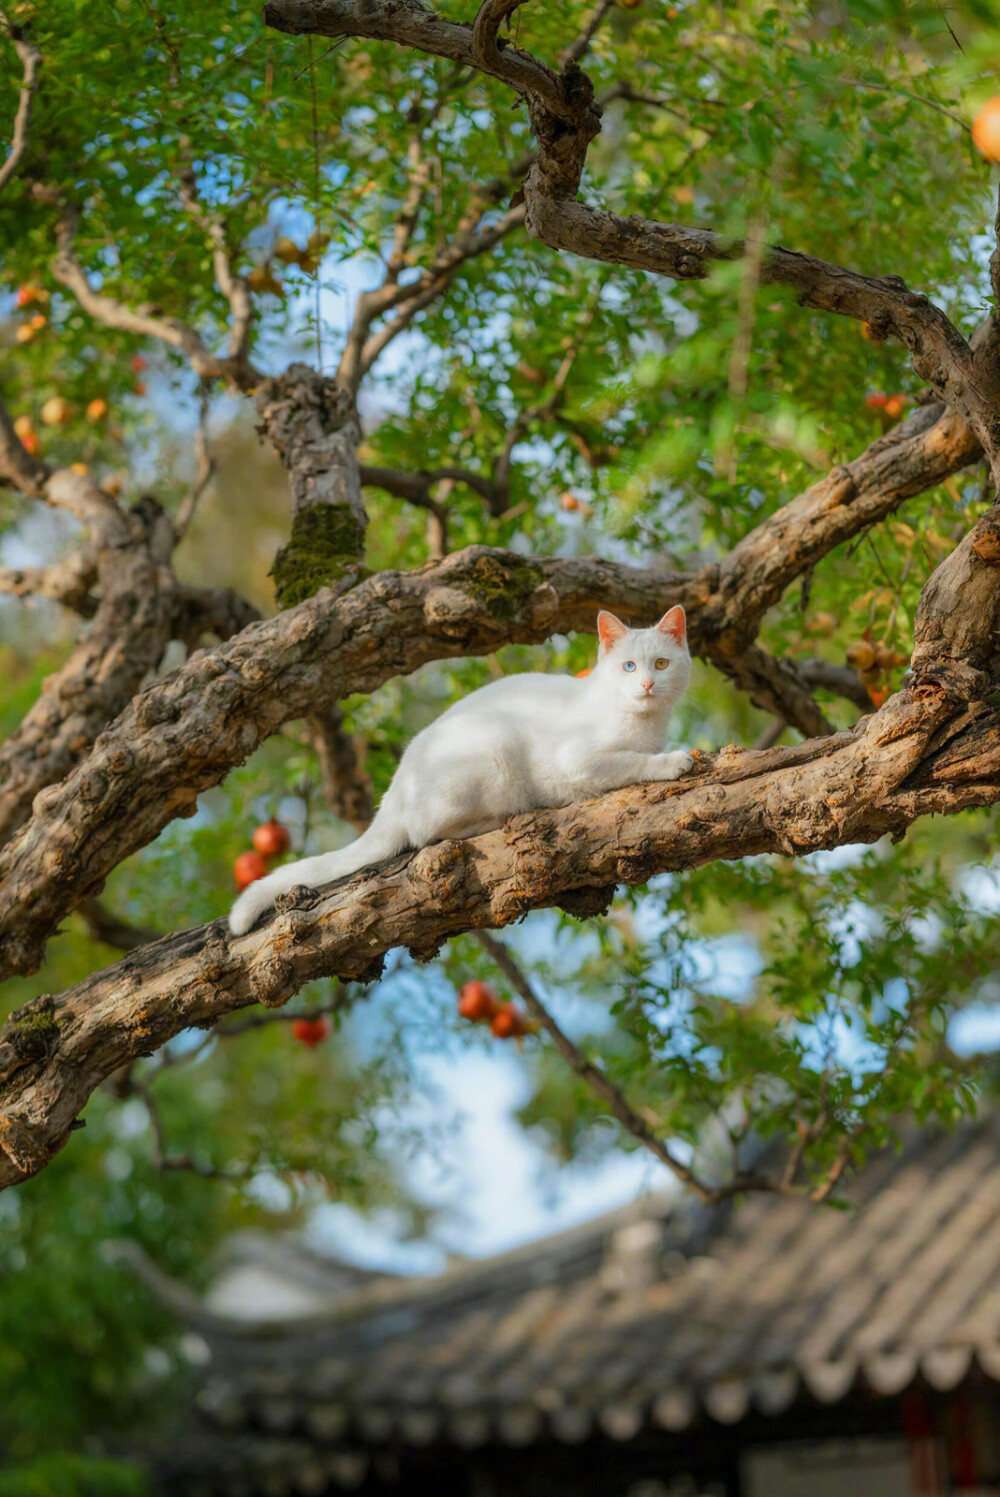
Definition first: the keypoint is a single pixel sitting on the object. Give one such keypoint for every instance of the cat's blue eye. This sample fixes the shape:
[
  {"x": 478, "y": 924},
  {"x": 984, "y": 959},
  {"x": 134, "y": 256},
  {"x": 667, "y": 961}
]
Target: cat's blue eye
[{"x": 629, "y": 665}]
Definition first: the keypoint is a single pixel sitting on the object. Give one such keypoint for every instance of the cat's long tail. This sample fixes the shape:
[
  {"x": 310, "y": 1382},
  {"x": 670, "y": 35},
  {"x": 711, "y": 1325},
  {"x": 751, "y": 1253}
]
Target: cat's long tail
[{"x": 383, "y": 839}]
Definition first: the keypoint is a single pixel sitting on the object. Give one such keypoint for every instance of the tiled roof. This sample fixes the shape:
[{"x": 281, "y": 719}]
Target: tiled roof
[{"x": 647, "y": 1316}]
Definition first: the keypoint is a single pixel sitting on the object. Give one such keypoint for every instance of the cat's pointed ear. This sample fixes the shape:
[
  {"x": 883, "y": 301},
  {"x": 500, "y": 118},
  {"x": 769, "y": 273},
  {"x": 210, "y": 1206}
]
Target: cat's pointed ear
[
  {"x": 674, "y": 623},
  {"x": 609, "y": 629}
]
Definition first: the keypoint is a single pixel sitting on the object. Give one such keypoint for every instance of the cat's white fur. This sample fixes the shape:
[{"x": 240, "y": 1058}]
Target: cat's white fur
[{"x": 514, "y": 745}]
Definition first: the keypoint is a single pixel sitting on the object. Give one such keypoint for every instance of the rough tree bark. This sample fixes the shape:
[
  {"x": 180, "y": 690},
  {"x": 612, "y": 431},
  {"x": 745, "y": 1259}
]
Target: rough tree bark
[
  {"x": 921, "y": 754},
  {"x": 312, "y": 422}
]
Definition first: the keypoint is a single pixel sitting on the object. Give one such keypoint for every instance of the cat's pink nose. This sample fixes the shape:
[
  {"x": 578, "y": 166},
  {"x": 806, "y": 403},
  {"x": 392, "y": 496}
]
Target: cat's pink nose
[{"x": 647, "y": 686}]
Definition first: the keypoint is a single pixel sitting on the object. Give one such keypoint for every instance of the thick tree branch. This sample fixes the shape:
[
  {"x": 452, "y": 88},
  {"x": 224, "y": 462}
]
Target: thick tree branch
[
  {"x": 312, "y": 422},
  {"x": 183, "y": 734},
  {"x": 30, "y": 58},
  {"x": 776, "y": 686},
  {"x": 197, "y": 611},
  {"x": 68, "y": 582},
  {"x": 140, "y": 609},
  {"x": 126, "y": 639},
  {"x": 918, "y": 755},
  {"x": 347, "y": 790},
  {"x": 842, "y": 680}
]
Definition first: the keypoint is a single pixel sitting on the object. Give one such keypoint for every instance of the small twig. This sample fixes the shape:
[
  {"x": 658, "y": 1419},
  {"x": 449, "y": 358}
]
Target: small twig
[
  {"x": 904, "y": 93},
  {"x": 595, "y": 1078},
  {"x": 995, "y": 262},
  {"x": 544, "y": 410},
  {"x": 336, "y": 1005},
  {"x": 769, "y": 736},
  {"x": 30, "y": 58},
  {"x": 739, "y": 359},
  {"x": 742, "y": 1183},
  {"x": 205, "y": 471},
  {"x": 581, "y": 45},
  {"x": 951, "y": 31},
  {"x": 311, "y": 64},
  {"x": 168, "y": 1162},
  {"x": 314, "y": 107}
]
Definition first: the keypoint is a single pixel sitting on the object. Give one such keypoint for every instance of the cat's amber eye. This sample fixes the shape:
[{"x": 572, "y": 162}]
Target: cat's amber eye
[{"x": 662, "y": 664}]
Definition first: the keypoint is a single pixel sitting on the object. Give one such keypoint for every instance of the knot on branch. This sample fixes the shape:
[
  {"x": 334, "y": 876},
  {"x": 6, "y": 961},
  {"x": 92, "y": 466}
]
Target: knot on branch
[
  {"x": 986, "y": 541},
  {"x": 272, "y": 982},
  {"x": 32, "y": 1031},
  {"x": 584, "y": 904},
  {"x": 289, "y": 402},
  {"x": 21, "y": 1146},
  {"x": 299, "y": 897},
  {"x": 691, "y": 267}
]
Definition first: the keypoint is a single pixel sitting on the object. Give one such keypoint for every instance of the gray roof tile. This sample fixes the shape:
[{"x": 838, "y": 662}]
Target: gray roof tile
[{"x": 747, "y": 1306}]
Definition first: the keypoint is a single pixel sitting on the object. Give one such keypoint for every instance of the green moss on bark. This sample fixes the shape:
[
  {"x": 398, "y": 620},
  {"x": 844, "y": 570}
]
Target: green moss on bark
[
  {"x": 326, "y": 540},
  {"x": 504, "y": 588},
  {"x": 32, "y": 1031}
]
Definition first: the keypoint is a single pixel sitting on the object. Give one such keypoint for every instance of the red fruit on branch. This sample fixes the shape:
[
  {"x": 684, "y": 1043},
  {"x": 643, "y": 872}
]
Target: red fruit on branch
[
  {"x": 876, "y": 401},
  {"x": 311, "y": 1032},
  {"x": 272, "y": 839},
  {"x": 138, "y": 363},
  {"x": 477, "y": 1002},
  {"x": 248, "y": 868},
  {"x": 509, "y": 1023}
]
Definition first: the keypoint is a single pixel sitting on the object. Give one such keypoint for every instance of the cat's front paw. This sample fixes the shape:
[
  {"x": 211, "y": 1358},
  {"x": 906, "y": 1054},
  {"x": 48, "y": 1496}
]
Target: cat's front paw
[{"x": 671, "y": 766}]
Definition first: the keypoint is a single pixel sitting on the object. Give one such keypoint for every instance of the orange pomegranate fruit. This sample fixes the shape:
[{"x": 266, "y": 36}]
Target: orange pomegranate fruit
[
  {"x": 248, "y": 868},
  {"x": 477, "y": 1002},
  {"x": 508, "y": 1023},
  {"x": 311, "y": 1032},
  {"x": 986, "y": 129},
  {"x": 271, "y": 839}
]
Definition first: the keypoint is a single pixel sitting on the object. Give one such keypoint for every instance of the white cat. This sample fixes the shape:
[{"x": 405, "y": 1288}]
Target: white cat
[{"x": 514, "y": 745}]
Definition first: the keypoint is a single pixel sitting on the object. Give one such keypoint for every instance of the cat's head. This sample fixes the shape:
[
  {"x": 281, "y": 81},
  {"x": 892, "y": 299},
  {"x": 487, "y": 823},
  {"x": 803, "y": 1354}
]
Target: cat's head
[{"x": 648, "y": 669}]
